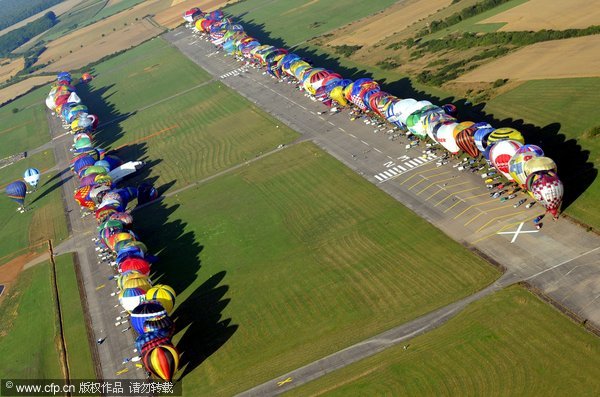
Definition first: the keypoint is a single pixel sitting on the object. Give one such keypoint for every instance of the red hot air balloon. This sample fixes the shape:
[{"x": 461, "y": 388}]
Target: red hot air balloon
[{"x": 162, "y": 361}]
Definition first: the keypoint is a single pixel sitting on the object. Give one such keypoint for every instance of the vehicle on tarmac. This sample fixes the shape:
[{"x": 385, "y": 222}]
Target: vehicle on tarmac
[
  {"x": 530, "y": 204},
  {"x": 503, "y": 199},
  {"x": 511, "y": 196},
  {"x": 519, "y": 203}
]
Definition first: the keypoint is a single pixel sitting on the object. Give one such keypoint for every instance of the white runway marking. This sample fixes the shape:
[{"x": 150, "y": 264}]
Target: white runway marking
[
  {"x": 562, "y": 263},
  {"x": 518, "y": 231}
]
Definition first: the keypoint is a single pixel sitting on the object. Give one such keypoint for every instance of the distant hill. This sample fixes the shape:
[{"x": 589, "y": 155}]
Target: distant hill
[{"x": 13, "y": 11}]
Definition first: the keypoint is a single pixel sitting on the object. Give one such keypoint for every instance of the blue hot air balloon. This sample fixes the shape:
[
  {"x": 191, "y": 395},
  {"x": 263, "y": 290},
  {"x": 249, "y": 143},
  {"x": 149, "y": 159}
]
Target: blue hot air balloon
[
  {"x": 32, "y": 176},
  {"x": 17, "y": 191}
]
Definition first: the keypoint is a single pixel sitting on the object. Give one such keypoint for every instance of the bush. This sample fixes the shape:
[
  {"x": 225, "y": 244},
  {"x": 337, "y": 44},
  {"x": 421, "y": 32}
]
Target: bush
[
  {"x": 15, "y": 110},
  {"x": 346, "y": 50},
  {"x": 499, "y": 83},
  {"x": 592, "y": 132},
  {"x": 388, "y": 64}
]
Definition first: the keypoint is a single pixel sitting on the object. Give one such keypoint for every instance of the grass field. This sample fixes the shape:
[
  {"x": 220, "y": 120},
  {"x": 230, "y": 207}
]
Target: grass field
[
  {"x": 570, "y": 102},
  {"x": 313, "y": 258},
  {"x": 509, "y": 344},
  {"x": 294, "y": 21},
  {"x": 42, "y": 161},
  {"x": 26, "y": 129},
  {"x": 28, "y": 341},
  {"x": 78, "y": 349},
  {"x": 191, "y": 136},
  {"x": 29, "y": 334}
]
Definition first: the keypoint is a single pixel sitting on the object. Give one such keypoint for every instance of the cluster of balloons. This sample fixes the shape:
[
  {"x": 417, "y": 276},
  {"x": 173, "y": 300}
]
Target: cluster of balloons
[
  {"x": 149, "y": 306},
  {"x": 504, "y": 148}
]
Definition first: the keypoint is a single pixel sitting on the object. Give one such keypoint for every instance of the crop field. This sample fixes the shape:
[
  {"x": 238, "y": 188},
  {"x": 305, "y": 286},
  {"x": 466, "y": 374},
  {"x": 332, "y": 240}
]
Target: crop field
[
  {"x": 545, "y": 60},
  {"x": 76, "y": 340},
  {"x": 27, "y": 128},
  {"x": 398, "y": 17},
  {"x": 548, "y": 14},
  {"x": 23, "y": 86},
  {"x": 294, "y": 21},
  {"x": 476, "y": 23},
  {"x": 572, "y": 103},
  {"x": 312, "y": 258},
  {"x": 509, "y": 343},
  {"x": 193, "y": 135},
  {"x": 29, "y": 333},
  {"x": 10, "y": 67}
]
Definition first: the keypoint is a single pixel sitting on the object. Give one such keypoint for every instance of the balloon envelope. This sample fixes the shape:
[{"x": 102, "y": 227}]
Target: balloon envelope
[
  {"x": 17, "y": 191},
  {"x": 164, "y": 294},
  {"x": 32, "y": 176},
  {"x": 162, "y": 361}
]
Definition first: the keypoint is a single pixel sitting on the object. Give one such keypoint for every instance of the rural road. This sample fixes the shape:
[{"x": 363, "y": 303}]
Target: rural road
[{"x": 562, "y": 260}]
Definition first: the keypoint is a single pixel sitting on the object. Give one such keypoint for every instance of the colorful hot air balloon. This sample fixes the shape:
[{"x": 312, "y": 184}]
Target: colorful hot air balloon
[
  {"x": 503, "y": 134},
  {"x": 516, "y": 165},
  {"x": 164, "y": 294},
  {"x": 149, "y": 340},
  {"x": 159, "y": 323},
  {"x": 17, "y": 191},
  {"x": 130, "y": 298},
  {"x": 538, "y": 164},
  {"x": 137, "y": 264},
  {"x": 547, "y": 189},
  {"x": 162, "y": 361},
  {"x": 137, "y": 282},
  {"x": 501, "y": 153},
  {"x": 32, "y": 176},
  {"x": 145, "y": 311}
]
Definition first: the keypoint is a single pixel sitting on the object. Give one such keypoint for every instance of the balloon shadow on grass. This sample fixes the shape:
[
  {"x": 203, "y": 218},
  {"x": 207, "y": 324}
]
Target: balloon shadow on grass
[
  {"x": 199, "y": 322},
  {"x": 52, "y": 187},
  {"x": 575, "y": 168}
]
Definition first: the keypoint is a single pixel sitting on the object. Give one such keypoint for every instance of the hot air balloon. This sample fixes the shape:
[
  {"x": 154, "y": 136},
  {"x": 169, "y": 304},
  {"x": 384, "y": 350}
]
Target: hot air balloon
[
  {"x": 503, "y": 134},
  {"x": 137, "y": 282},
  {"x": 445, "y": 136},
  {"x": 149, "y": 340},
  {"x": 547, "y": 189},
  {"x": 132, "y": 274},
  {"x": 164, "y": 294},
  {"x": 17, "y": 191},
  {"x": 86, "y": 77},
  {"x": 516, "y": 165},
  {"x": 137, "y": 264},
  {"x": 501, "y": 153},
  {"x": 32, "y": 176},
  {"x": 162, "y": 361},
  {"x": 130, "y": 298},
  {"x": 158, "y": 323},
  {"x": 538, "y": 164},
  {"x": 145, "y": 311},
  {"x": 481, "y": 138}
]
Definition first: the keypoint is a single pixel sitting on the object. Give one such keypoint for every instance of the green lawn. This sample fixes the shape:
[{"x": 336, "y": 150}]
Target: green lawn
[
  {"x": 42, "y": 161},
  {"x": 571, "y": 105},
  {"x": 76, "y": 338},
  {"x": 114, "y": 9},
  {"x": 29, "y": 323},
  {"x": 190, "y": 136},
  {"x": 294, "y": 21},
  {"x": 141, "y": 76},
  {"x": 26, "y": 129},
  {"x": 508, "y": 344},
  {"x": 314, "y": 257}
]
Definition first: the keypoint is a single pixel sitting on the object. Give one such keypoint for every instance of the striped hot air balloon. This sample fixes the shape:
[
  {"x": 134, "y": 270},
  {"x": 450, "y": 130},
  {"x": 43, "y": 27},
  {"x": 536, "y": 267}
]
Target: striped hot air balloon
[{"x": 162, "y": 361}]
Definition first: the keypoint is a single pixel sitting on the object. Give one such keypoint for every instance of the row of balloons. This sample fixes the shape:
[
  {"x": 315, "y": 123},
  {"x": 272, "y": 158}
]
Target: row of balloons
[
  {"x": 149, "y": 305},
  {"x": 504, "y": 148}
]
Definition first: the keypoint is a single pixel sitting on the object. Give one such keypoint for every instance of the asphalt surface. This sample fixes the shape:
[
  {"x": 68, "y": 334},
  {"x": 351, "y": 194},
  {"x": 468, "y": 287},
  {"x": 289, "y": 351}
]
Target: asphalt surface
[
  {"x": 101, "y": 307},
  {"x": 562, "y": 259}
]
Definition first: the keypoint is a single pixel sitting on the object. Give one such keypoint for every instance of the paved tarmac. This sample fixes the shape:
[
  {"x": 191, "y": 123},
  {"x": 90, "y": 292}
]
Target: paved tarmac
[
  {"x": 101, "y": 308},
  {"x": 562, "y": 259}
]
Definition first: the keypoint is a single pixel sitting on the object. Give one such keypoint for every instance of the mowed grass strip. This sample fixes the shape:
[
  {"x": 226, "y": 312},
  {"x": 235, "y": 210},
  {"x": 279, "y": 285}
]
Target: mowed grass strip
[
  {"x": 27, "y": 128},
  {"x": 509, "y": 343},
  {"x": 572, "y": 103},
  {"x": 197, "y": 134},
  {"x": 293, "y": 21},
  {"x": 28, "y": 339},
  {"x": 315, "y": 259},
  {"x": 76, "y": 338},
  {"x": 42, "y": 161},
  {"x": 141, "y": 76}
]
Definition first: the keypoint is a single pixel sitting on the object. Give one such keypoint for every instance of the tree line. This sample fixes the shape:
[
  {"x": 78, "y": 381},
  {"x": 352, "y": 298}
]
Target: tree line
[
  {"x": 16, "y": 38},
  {"x": 13, "y": 11}
]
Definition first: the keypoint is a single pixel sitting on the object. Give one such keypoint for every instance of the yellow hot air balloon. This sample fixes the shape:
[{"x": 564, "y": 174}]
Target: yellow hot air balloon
[
  {"x": 461, "y": 126},
  {"x": 337, "y": 94},
  {"x": 503, "y": 134},
  {"x": 539, "y": 164},
  {"x": 121, "y": 278},
  {"x": 137, "y": 282},
  {"x": 164, "y": 295}
]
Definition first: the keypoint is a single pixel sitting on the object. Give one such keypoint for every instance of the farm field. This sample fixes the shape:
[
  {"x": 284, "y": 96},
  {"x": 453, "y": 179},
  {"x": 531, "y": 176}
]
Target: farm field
[
  {"x": 294, "y": 257},
  {"x": 27, "y": 128},
  {"x": 42, "y": 161},
  {"x": 10, "y": 67},
  {"x": 14, "y": 90},
  {"x": 396, "y": 18},
  {"x": 545, "y": 60},
  {"x": 509, "y": 343},
  {"x": 294, "y": 21},
  {"x": 570, "y": 102},
  {"x": 542, "y": 14}
]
